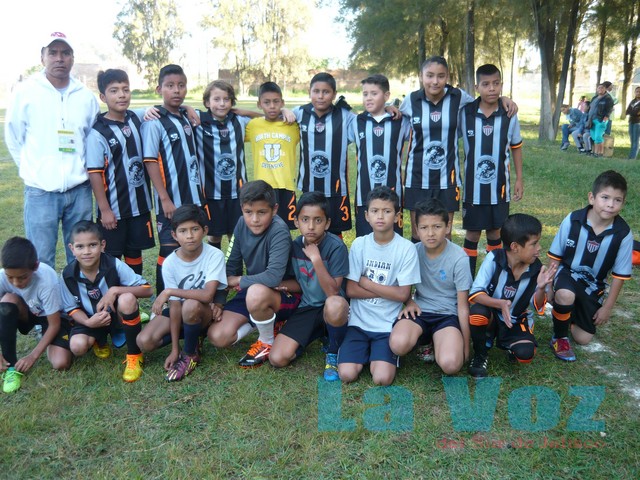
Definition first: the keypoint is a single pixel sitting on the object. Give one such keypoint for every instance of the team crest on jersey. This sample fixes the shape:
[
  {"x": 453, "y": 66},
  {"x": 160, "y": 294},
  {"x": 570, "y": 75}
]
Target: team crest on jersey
[
  {"x": 320, "y": 164},
  {"x": 434, "y": 156},
  {"x": 226, "y": 168},
  {"x": 187, "y": 129},
  {"x": 435, "y": 116},
  {"x": 224, "y": 132},
  {"x": 94, "y": 293},
  {"x": 113, "y": 142},
  {"x": 194, "y": 171},
  {"x": 487, "y": 129},
  {"x": 508, "y": 292},
  {"x": 272, "y": 152},
  {"x": 126, "y": 131},
  {"x": 592, "y": 246},
  {"x": 378, "y": 169},
  {"x": 136, "y": 172},
  {"x": 486, "y": 171},
  {"x": 378, "y": 130},
  {"x": 319, "y": 127}
]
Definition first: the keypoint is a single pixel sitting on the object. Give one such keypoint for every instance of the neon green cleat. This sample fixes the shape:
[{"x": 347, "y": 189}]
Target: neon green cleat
[
  {"x": 12, "y": 380},
  {"x": 133, "y": 369},
  {"x": 103, "y": 352},
  {"x": 144, "y": 317}
]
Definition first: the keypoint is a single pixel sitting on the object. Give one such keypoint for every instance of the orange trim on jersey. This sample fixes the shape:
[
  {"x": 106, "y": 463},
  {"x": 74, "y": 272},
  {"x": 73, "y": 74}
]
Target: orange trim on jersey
[
  {"x": 478, "y": 320},
  {"x": 133, "y": 261},
  {"x": 470, "y": 252},
  {"x": 563, "y": 317},
  {"x": 553, "y": 257},
  {"x": 337, "y": 185},
  {"x": 453, "y": 175},
  {"x": 621, "y": 277},
  {"x": 97, "y": 170},
  {"x": 161, "y": 260},
  {"x": 152, "y": 160},
  {"x": 518, "y": 145},
  {"x": 131, "y": 323},
  {"x": 161, "y": 167},
  {"x": 491, "y": 248},
  {"x": 472, "y": 297},
  {"x": 71, "y": 312}
]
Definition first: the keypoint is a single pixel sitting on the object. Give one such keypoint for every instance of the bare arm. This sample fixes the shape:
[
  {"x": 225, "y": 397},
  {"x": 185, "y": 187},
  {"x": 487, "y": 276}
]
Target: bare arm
[
  {"x": 156, "y": 177},
  {"x": 25, "y": 363},
  {"x": 603, "y": 314},
  {"x": 396, "y": 293},
  {"x": 107, "y": 218},
  {"x": 354, "y": 290},
  {"x": 496, "y": 303},
  {"x": 518, "y": 192},
  {"x": 330, "y": 286},
  {"x": 109, "y": 299},
  {"x": 202, "y": 295}
]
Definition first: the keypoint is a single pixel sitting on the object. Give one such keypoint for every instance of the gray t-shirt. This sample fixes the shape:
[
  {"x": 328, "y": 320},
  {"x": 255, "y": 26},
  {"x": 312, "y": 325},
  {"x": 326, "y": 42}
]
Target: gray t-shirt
[
  {"x": 194, "y": 275},
  {"x": 396, "y": 264},
  {"x": 42, "y": 295},
  {"x": 441, "y": 279}
]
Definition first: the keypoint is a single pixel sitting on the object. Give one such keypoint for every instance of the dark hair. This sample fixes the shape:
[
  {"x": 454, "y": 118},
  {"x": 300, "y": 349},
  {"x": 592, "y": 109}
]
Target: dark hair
[
  {"x": 434, "y": 59},
  {"x": 487, "y": 69},
  {"x": 432, "y": 206},
  {"x": 257, "y": 191},
  {"x": 377, "y": 79},
  {"x": 170, "y": 69},
  {"x": 519, "y": 228},
  {"x": 384, "y": 193},
  {"x": 221, "y": 85},
  {"x": 610, "y": 178},
  {"x": 86, "y": 226},
  {"x": 606, "y": 85},
  {"x": 18, "y": 252},
  {"x": 324, "y": 77},
  {"x": 314, "y": 199},
  {"x": 112, "y": 75},
  {"x": 269, "y": 87},
  {"x": 188, "y": 213}
]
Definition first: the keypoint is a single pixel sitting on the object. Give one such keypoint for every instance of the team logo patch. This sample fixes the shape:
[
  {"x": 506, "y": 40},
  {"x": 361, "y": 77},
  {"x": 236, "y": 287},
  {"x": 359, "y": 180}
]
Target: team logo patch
[
  {"x": 272, "y": 152},
  {"x": 136, "y": 172},
  {"x": 378, "y": 169},
  {"x": 470, "y": 133},
  {"x": 416, "y": 120},
  {"x": 320, "y": 164},
  {"x": 487, "y": 129},
  {"x": 187, "y": 129},
  {"x": 319, "y": 127},
  {"x": 435, "y": 116},
  {"x": 486, "y": 171},
  {"x": 570, "y": 243},
  {"x": 303, "y": 128},
  {"x": 378, "y": 130},
  {"x": 126, "y": 131},
  {"x": 194, "y": 171},
  {"x": 434, "y": 156},
  {"x": 173, "y": 137},
  {"x": 592, "y": 246},
  {"x": 113, "y": 142},
  {"x": 508, "y": 292},
  {"x": 224, "y": 132},
  {"x": 226, "y": 167},
  {"x": 94, "y": 293}
]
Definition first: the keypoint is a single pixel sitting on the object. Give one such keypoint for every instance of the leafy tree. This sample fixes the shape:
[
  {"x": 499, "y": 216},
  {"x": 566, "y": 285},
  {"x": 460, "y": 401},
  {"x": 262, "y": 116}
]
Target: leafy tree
[{"x": 148, "y": 30}]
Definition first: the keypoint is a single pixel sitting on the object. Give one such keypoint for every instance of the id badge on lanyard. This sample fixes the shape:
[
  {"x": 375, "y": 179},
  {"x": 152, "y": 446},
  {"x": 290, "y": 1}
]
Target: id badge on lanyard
[{"x": 66, "y": 141}]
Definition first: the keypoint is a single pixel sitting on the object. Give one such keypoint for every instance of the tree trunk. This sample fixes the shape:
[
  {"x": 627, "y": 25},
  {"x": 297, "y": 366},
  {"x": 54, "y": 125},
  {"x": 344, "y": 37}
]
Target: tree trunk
[
  {"x": 603, "y": 33},
  {"x": 513, "y": 61},
  {"x": 630, "y": 47},
  {"x": 422, "y": 46},
  {"x": 572, "y": 74},
  {"x": 444, "y": 39},
  {"x": 469, "y": 47},
  {"x": 545, "y": 32}
]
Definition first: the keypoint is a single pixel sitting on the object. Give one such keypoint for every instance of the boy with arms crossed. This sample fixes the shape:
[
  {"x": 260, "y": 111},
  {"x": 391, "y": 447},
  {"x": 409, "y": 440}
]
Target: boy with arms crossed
[
  {"x": 382, "y": 268},
  {"x": 193, "y": 275},
  {"x": 320, "y": 262},
  {"x": 440, "y": 307},
  {"x": 590, "y": 244}
]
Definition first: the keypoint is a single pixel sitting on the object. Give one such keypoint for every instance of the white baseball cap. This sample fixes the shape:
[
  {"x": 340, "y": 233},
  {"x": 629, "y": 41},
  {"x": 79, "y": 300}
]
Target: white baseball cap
[{"x": 53, "y": 37}]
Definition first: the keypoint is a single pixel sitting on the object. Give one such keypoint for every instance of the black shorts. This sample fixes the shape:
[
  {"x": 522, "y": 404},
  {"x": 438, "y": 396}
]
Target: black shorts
[
  {"x": 363, "y": 228},
  {"x": 288, "y": 304},
  {"x": 361, "y": 347},
  {"x": 340, "y": 214},
  {"x": 450, "y": 197},
  {"x": 585, "y": 306},
  {"x": 505, "y": 336},
  {"x": 223, "y": 216},
  {"x": 163, "y": 225},
  {"x": 286, "y": 200},
  {"x": 432, "y": 322},
  {"x": 484, "y": 217},
  {"x": 133, "y": 233},
  {"x": 305, "y": 325},
  {"x": 62, "y": 337}
]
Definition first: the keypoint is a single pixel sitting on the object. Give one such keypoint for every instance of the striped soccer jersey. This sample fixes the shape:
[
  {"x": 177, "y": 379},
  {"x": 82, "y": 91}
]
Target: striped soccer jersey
[
  {"x": 379, "y": 147},
  {"x": 169, "y": 141},
  {"x": 433, "y": 161},
  {"x": 487, "y": 143},
  {"x": 114, "y": 149},
  {"x": 591, "y": 257},
  {"x": 323, "y": 150},
  {"x": 220, "y": 147}
]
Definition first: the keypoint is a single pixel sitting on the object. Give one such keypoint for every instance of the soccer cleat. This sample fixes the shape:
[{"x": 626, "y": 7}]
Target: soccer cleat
[
  {"x": 103, "y": 351},
  {"x": 564, "y": 146},
  {"x": 426, "y": 353},
  {"x": 144, "y": 317},
  {"x": 182, "y": 367},
  {"x": 257, "y": 354},
  {"x": 133, "y": 369},
  {"x": 331, "y": 368},
  {"x": 478, "y": 366},
  {"x": 562, "y": 349},
  {"x": 12, "y": 380}
]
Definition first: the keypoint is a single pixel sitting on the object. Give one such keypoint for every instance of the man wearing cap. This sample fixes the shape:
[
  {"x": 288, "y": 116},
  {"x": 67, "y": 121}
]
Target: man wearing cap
[{"x": 47, "y": 121}]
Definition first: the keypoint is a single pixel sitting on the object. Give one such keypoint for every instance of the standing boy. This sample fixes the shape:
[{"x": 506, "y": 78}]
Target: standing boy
[
  {"x": 440, "y": 307},
  {"x": 590, "y": 244},
  {"x": 193, "y": 275},
  {"x": 29, "y": 296},
  {"x": 379, "y": 143},
  {"x": 382, "y": 268},
  {"x": 170, "y": 157},
  {"x": 117, "y": 174},
  {"x": 261, "y": 242},
  {"x": 273, "y": 145},
  {"x": 99, "y": 292},
  {"x": 489, "y": 136},
  {"x": 320, "y": 262}
]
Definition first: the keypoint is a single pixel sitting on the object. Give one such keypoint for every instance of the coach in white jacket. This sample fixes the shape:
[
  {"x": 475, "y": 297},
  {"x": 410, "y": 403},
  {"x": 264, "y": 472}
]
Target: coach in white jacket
[{"x": 47, "y": 122}]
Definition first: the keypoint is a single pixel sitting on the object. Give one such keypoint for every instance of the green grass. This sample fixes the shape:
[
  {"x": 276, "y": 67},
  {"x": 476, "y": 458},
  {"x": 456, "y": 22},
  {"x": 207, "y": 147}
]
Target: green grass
[{"x": 224, "y": 422}]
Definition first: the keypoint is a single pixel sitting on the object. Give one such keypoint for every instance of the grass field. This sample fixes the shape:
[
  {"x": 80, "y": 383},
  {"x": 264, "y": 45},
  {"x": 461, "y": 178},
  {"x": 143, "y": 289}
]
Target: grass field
[{"x": 225, "y": 422}]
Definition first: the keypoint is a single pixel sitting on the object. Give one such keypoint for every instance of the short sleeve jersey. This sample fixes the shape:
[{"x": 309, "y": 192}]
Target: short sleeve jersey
[
  {"x": 379, "y": 145},
  {"x": 433, "y": 161},
  {"x": 335, "y": 258},
  {"x": 395, "y": 264},
  {"x": 169, "y": 141},
  {"x": 114, "y": 150},
  {"x": 194, "y": 275},
  {"x": 42, "y": 295},
  {"x": 487, "y": 143},
  {"x": 590, "y": 257},
  {"x": 441, "y": 279},
  {"x": 323, "y": 150},
  {"x": 220, "y": 146}
]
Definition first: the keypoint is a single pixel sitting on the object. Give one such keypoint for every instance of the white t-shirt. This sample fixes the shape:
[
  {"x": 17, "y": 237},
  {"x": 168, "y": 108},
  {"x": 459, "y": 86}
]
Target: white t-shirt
[
  {"x": 42, "y": 295},
  {"x": 194, "y": 275}
]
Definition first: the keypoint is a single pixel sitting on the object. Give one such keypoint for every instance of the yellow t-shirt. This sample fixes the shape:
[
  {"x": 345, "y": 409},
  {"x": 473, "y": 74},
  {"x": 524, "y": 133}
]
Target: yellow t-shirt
[{"x": 274, "y": 146}]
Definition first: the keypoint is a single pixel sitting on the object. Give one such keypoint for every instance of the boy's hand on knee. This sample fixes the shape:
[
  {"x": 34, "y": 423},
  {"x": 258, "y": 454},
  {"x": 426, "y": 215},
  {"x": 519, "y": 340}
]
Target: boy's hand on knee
[
  {"x": 216, "y": 312},
  {"x": 411, "y": 310},
  {"x": 159, "y": 302},
  {"x": 108, "y": 302}
]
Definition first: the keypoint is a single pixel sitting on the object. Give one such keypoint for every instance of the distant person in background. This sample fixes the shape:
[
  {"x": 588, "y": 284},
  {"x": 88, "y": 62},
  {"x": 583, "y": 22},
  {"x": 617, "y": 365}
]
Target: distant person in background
[
  {"x": 633, "y": 110},
  {"x": 48, "y": 119},
  {"x": 599, "y": 112},
  {"x": 576, "y": 119},
  {"x": 583, "y": 104},
  {"x": 609, "y": 88}
]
